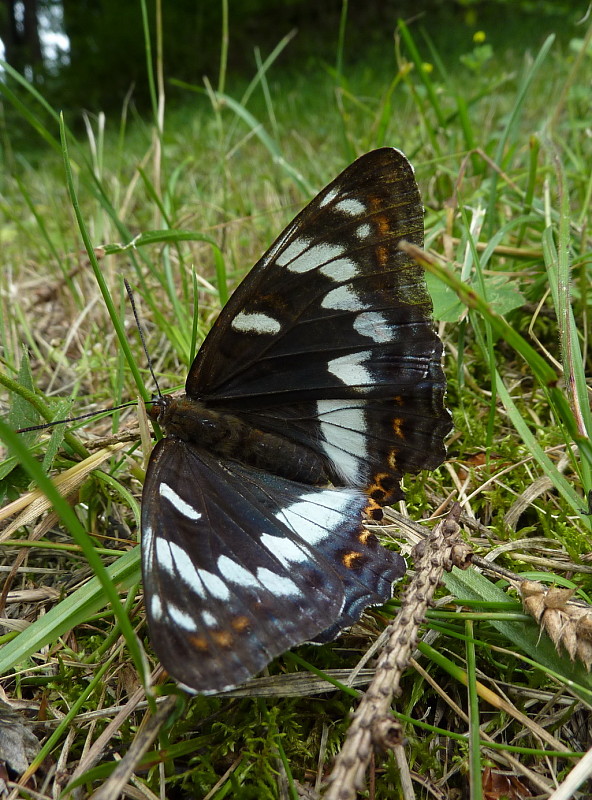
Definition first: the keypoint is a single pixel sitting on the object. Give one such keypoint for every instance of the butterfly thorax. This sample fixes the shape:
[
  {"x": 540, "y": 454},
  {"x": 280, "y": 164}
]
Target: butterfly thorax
[{"x": 227, "y": 436}]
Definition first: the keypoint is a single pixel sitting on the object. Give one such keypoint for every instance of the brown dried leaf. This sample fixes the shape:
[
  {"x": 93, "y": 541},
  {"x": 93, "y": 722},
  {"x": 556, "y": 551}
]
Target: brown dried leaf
[
  {"x": 18, "y": 745},
  {"x": 497, "y": 785}
]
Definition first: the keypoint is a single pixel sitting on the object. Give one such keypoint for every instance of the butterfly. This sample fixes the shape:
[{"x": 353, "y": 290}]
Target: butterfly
[{"x": 317, "y": 388}]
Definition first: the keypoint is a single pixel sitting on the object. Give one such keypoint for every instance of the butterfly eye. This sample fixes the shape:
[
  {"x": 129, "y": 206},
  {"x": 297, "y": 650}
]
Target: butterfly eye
[
  {"x": 318, "y": 387},
  {"x": 156, "y": 407}
]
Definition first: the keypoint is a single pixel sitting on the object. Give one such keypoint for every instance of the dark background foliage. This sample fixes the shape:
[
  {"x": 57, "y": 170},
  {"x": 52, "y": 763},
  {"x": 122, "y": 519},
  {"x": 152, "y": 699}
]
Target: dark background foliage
[{"x": 106, "y": 60}]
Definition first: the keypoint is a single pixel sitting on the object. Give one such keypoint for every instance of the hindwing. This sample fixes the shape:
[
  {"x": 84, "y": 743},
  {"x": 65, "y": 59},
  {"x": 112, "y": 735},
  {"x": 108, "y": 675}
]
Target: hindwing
[{"x": 240, "y": 565}]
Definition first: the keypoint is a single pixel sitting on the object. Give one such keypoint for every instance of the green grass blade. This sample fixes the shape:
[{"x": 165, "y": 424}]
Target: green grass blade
[
  {"x": 511, "y": 126},
  {"x": 266, "y": 141},
  {"x": 94, "y": 595},
  {"x": 470, "y": 584},
  {"x": 115, "y": 318}
]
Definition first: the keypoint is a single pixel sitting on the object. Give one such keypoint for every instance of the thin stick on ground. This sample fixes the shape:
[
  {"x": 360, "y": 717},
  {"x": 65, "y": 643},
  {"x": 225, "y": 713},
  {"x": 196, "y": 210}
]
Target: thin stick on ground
[{"x": 373, "y": 726}]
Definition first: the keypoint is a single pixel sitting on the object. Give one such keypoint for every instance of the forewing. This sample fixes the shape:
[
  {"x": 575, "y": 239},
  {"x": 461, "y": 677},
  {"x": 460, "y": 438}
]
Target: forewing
[
  {"x": 239, "y": 565},
  {"x": 332, "y": 331},
  {"x": 331, "y": 283}
]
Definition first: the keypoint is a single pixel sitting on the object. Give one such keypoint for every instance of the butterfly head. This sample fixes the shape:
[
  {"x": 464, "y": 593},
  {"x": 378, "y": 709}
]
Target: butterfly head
[{"x": 158, "y": 406}]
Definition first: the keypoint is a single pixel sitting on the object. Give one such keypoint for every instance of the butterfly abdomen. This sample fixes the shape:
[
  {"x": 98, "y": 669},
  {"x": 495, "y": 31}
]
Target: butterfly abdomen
[{"x": 227, "y": 436}]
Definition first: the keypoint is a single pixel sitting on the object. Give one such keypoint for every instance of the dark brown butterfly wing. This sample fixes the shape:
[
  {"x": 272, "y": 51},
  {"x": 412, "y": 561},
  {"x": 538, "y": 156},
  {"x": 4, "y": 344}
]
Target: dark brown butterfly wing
[
  {"x": 328, "y": 342},
  {"x": 240, "y": 565}
]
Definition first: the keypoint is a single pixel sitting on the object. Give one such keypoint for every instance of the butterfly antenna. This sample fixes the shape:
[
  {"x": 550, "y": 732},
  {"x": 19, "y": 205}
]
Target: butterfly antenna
[
  {"x": 46, "y": 425},
  {"x": 130, "y": 294}
]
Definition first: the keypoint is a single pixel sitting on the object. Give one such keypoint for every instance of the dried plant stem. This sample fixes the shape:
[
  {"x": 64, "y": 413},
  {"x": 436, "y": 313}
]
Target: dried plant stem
[
  {"x": 115, "y": 784},
  {"x": 373, "y": 726},
  {"x": 567, "y": 623}
]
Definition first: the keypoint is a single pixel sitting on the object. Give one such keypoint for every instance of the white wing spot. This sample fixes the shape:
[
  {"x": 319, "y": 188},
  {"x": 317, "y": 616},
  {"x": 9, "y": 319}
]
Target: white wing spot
[
  {"x": 350, "y": 369},
  {"x": 340, "y": 270},
  {"x": 182, "y": 506},
  {"x": 255, "y": 323},
  {"x": 147, "y": 545},
  {"x": 328, "y": 198},
  {"x": 343, "y": 427},
  {"x": 156, "y": 607},
  {"x": 164, "y": 557},
  {"x": 180, "y": 617},
  {"x": 175, "y": 561},
  {"x": 285, "y": 550},
  {"x": 343, "y": 298},
  {"x": 364, "y": 231},
  {"x": 351, "y": 207},
  {"x": 313, "y": 257},
  {"x": 373, "y": 325},
  {"x": 209, "y": 619},
  {"x": 276, "y": 584},
  {"x": 235, "y": 573},
  {"x": 292, "y": 251},
  {"x": 185, "y": 568},
  {"x": 316, "y": 516},
  {"x": 214, "y": 585}
]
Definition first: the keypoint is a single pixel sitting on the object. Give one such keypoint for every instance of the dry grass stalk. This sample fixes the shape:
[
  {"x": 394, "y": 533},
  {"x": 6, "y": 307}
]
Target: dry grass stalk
[
  {"x": 373, "y": 726},
  {"x": 568, "y": 624},
  {"x": 123, "y": 772}
]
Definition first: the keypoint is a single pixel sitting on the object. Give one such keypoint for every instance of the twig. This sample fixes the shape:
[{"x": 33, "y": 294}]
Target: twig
[
  {"x": 114, "y": 785},
  {"x": 373, "y": 726}
]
